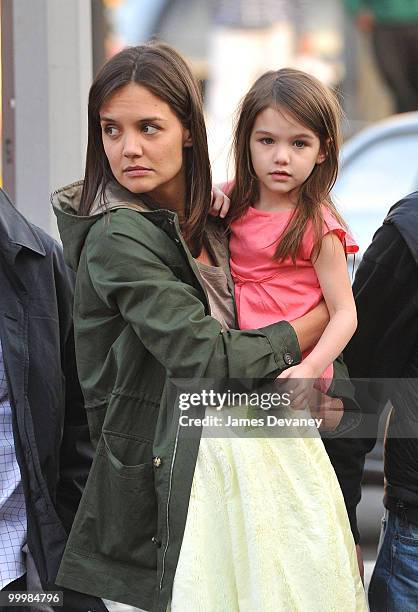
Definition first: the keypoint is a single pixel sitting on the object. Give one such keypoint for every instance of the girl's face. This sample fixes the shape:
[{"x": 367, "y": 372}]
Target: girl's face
[
  {"x": 144, "y": 140},
  {"x": 283, "y": 152}
]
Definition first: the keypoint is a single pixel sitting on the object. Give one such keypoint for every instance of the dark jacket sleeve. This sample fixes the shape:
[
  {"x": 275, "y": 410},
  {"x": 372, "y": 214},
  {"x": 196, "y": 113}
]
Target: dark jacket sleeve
[
  {"x": 76, "y": 452},
  {"x": 382, "y": 289}
]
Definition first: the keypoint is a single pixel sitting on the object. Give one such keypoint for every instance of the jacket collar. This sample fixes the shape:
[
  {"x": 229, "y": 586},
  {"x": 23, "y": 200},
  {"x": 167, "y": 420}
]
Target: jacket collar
[
  {"x": 16, "y": 232},
  {"x": 67, "y": 200},
  {"x": 74, "y": 228}
]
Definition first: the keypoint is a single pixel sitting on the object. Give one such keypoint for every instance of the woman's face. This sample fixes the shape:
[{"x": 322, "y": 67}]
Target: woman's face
[{"x": 144, "y": 140}]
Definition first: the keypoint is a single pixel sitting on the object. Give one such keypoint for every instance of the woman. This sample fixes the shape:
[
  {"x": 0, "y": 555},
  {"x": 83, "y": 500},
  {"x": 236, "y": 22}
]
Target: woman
[{"x": 142, "y": 314}]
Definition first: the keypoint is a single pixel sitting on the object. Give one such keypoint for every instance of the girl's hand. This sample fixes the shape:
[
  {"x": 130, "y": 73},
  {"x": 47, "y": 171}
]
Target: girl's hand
[
  {"x": 299, "y": 381},
  {"x": 220, "y": 203}
]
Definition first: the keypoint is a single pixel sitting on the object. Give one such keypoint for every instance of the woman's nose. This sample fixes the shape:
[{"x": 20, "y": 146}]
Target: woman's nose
[{"x": 133, "y": 146}]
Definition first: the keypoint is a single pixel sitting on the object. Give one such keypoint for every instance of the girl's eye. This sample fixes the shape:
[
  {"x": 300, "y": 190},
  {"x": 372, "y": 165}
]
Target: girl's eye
[
  {"x": 266, "y": 140},
  {"x": 110, "y": 130},
  {"x": 299, "y": 144},
  {"x": 149, "y": 129}
]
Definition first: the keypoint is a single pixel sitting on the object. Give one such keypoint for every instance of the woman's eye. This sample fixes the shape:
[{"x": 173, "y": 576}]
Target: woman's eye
[
  {"x": 149, "y": 129},
  {"x": 267, "y": 141},
  {"x": 110, "y": 130},
  {"x": 299, "y": 144}
]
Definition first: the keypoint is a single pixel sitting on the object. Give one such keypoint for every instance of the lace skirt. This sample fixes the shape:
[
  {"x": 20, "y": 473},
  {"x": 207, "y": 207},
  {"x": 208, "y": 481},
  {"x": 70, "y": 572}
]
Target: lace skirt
[{"x": 267, "y": 530}]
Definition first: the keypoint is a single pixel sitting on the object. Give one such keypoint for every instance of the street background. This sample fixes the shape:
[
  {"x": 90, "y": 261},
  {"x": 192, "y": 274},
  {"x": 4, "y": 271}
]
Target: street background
[{"x": 51, "y": 50}]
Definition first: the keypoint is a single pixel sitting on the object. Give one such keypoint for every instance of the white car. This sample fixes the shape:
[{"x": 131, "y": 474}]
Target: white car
[{"x": 378, "y": 166}]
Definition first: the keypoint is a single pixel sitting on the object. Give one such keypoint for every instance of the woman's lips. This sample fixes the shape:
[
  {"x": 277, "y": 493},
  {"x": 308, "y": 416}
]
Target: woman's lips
[{"x": 137, "y": 171}]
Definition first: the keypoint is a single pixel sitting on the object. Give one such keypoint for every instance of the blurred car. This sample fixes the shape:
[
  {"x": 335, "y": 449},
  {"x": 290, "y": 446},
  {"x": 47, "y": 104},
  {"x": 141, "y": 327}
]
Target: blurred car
[{"x": 378, "y": 166}]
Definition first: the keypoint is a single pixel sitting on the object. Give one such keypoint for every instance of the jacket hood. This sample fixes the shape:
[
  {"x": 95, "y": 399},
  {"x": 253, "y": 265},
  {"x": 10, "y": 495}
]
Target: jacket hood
[
  {"x": 73, "y": 228},
  {"x": 404, "y": 216}
]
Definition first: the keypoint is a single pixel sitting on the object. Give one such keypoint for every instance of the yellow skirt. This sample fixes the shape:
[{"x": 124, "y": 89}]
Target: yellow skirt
[{"x": 266, "y": 531}]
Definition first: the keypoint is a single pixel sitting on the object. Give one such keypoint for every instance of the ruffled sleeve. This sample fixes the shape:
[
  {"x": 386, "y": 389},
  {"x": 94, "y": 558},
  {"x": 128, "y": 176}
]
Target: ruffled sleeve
[{"x": 330, "y": 225}]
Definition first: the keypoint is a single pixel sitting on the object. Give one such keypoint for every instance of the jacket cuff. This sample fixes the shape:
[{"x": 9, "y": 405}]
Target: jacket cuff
[{"x": 284, "y": 344}]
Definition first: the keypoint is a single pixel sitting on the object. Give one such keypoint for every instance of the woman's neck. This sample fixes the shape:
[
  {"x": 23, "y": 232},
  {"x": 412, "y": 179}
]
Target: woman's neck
[{"x": 172, "y": 195}]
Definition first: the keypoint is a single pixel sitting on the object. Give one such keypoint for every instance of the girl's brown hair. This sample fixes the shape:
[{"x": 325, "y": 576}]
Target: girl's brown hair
[
  {"x": 160, "y": 69},
  {"x": 315, "y": 106}
]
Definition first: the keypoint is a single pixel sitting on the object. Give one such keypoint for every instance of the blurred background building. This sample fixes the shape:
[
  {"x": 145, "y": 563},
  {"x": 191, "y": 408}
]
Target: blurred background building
[{"x": 52, "y": 48}]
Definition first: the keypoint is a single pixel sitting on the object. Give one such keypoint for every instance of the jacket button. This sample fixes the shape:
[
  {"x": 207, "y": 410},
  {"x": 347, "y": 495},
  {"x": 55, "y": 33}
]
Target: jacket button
[
  {"x": 157, "y": 461},
  {"x": 156, "y": 541},
  {"x": 288, "y": 359},
  {"x": 177, "y": 240}
]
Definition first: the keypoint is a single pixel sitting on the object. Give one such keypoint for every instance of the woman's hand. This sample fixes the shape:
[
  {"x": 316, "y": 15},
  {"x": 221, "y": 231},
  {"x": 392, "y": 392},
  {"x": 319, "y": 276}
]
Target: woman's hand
[
  {"x": 220, "y": 203},
  {"x": 360, "y": 562},
  {"x": 329, "y": 409}
]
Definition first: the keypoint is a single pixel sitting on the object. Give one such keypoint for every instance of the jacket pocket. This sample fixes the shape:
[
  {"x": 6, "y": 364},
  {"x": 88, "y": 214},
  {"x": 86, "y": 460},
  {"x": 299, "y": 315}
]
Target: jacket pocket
[{"x": 118, "y": 518}]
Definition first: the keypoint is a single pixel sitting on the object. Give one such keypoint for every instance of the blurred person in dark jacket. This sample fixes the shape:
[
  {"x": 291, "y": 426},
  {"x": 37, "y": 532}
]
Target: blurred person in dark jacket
[
  {"x": 45, "y": 452},
  {"x": 385, "y": 347},
  {"x": 393, "y": 25}
]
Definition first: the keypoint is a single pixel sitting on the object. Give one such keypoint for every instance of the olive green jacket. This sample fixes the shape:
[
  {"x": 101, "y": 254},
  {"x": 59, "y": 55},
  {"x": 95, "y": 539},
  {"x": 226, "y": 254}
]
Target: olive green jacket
[{"x": 142, "y": 315}]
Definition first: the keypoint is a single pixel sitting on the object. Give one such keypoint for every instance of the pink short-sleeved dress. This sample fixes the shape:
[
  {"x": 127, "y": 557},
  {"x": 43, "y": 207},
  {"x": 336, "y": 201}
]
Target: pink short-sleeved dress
[{"x": 267, "y": 291}]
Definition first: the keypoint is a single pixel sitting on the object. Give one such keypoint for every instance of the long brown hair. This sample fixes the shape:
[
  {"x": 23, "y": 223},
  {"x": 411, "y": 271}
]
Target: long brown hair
[
  {"x": 315, "y": 106},
  {"x": 160, "y": 69}
]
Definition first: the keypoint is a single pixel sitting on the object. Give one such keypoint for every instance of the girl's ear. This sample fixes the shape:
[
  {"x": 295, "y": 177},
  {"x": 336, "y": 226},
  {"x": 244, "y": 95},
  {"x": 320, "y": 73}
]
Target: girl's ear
[
  {"x": 187, "y": 139},
  {"x": 323, "y": 154},
  {"x": 321, "y": 157}
]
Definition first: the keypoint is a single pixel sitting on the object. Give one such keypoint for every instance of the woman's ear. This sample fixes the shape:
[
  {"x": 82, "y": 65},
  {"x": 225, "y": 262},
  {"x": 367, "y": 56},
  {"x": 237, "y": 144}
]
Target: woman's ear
[{"x": 187, "y": 139}]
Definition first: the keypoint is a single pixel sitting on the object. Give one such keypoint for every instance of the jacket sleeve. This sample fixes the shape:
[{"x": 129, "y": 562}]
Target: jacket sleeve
[
  {"x": 76, "y": 452},
  {"x": 382, "y": 289},
  {"x": 138, "y": 281}
]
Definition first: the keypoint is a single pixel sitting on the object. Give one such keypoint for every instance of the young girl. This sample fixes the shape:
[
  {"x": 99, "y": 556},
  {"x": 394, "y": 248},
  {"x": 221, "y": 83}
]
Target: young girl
[
  {"x": 288, "y": 242},
  {"x": 267, "y": 528}
]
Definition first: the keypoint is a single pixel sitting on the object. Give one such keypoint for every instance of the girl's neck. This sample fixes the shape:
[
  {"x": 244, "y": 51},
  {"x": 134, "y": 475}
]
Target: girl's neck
[{"x": 275, "y": 202}]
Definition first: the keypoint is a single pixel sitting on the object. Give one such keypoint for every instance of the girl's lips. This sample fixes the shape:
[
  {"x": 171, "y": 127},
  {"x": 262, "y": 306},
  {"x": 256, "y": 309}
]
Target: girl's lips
[{"x": 280, "y": 176}]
